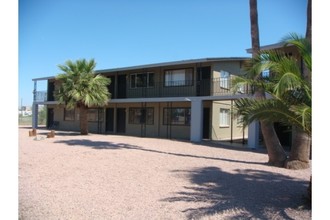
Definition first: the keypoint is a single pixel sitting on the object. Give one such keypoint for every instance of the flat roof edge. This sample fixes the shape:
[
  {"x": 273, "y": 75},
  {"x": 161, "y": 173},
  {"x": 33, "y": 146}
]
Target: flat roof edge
[
  {"x": 271, "y": 46},
  {"x": 43, "y": 78},
  {"x": 171, "y": 63},
  {"x": 181, "y": 62}
]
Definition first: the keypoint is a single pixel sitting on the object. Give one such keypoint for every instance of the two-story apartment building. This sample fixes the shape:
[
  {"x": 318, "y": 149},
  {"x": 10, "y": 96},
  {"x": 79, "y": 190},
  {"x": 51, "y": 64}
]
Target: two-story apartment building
[{"x": 189, "y": 99}]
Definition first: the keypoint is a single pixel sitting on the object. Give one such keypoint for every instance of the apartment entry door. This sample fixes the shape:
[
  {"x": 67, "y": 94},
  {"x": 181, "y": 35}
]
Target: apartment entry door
[
  {"x": 121, "y": 120},
  {"x": 109, "y": 120},
  {"x": 206, "y": 123},
  {"x": 121, "y": 86},
  {"x": 203, "y": 81},
  {"x": 50, "y": 117}
]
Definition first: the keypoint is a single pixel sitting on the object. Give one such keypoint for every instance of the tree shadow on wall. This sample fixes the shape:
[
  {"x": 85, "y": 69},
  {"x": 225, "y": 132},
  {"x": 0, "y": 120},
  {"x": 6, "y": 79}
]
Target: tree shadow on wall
[{"x": 245, "y": 194}]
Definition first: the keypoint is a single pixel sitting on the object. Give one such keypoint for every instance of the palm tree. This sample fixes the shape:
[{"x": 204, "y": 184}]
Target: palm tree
[
  {"x": 291, "y": 97},
  {"x": 276, "y": 153},
  {"x": 300, "y": 152},
  {"x": 80, "y": 87}
]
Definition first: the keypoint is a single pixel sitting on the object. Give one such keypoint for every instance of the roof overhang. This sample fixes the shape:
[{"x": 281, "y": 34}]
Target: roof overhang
[
  {"x": 43, "y": 78},
  {"x": 182, "y": 62},
  {"x": 271, "y": 47},
  {"x": 164, "y": 64}
]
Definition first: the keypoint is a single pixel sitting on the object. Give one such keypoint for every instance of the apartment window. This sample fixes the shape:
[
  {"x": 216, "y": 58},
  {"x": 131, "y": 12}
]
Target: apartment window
[
  {"x": 142, "y": 80},
  {"x": 265, "y": 74},
  {"x": 176, "y": 116},
  {"x": 224, "y": 79},
  {"x": 224, "y": 117},
  {"x": 69, "y": 114},
  {"x": 179, "y": 77},
  {"x": 141, "y": 116},
  {"x": 95, "y": 115}
]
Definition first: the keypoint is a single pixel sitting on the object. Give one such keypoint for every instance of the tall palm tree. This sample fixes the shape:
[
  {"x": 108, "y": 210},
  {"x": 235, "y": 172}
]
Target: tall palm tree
[
  {"x": 80, "y": 87},
  {"x": 276, "y": 153},
  {"x": 291, "y": 97},
  {"x": 300, "y": 152}
]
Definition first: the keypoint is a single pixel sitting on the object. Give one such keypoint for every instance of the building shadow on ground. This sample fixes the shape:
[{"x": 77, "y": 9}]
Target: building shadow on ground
[
  {"x": 106, "y": 145},
  {"x": 246, "y": 194}
]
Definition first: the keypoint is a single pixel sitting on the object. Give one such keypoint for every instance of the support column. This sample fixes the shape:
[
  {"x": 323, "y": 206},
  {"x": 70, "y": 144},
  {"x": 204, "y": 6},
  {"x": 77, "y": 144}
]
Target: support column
[
  {"x": 196, "y": 124},
  {"x": 34, "y": 107},
  {"x": 253, "y": 135},
  {"x": 34, "y": 115}
]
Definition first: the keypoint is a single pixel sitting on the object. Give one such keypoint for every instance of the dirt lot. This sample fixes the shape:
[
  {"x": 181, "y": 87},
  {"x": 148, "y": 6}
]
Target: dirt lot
[{"x": 120, "y": 177}]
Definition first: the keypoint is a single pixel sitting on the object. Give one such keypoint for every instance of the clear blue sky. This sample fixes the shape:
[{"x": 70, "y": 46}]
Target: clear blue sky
[{"x": 125, "y": 33}]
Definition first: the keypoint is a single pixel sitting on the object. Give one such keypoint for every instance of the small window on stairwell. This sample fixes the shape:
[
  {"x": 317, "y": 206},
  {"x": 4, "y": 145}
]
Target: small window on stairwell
[
  {"x": 224, "y": 79},
  {"x": 265, "y": 74},
  {"x": 224, "y": 117}
]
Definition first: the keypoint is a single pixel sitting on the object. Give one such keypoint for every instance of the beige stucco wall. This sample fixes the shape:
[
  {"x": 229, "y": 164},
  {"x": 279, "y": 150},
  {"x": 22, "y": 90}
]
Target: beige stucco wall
[
  {"x": 224, "y": 133},
  {"x": 233, "y": 67}
]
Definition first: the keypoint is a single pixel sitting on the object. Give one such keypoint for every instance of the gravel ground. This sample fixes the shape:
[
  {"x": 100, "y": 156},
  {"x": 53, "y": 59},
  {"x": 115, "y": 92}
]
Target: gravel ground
[{"x": 121, "y": 177}]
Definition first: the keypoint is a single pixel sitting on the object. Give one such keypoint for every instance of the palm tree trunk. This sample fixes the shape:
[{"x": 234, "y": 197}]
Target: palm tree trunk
[
  {"x": 276, "y": 153},
  {"x": 306, "y": 73},
  {"x": 300, "y": 150},
  {"x": 309, "y": 21},
  {"x": 254, "y": 27},
  {"x": 308, "y": 76},
  {"x": 83, "y": 120}
]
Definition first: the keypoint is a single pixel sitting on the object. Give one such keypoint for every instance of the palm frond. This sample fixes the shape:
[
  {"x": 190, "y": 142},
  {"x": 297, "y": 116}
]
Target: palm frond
[
  {"x": 79, "y": 84},
  {"x": 303, "y": 45},
  {"x": 271, "y": 110},
  {"x": 288, "y": 81}
]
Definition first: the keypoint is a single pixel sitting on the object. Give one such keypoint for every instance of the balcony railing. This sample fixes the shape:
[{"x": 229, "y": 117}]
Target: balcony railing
[
  {"x": 208, "y": 87},
  {"x": 223, "y": 86},
  {"x": 40, "y": 96}
]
